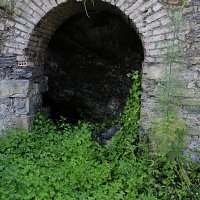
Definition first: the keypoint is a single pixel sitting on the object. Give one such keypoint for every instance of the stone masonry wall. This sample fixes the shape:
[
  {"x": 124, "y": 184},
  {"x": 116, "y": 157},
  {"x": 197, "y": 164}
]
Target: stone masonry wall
[
  {"x": 190, "y": 70},
  {"x": 26, "y": 29},
  {"x": 20, "y": 93}
]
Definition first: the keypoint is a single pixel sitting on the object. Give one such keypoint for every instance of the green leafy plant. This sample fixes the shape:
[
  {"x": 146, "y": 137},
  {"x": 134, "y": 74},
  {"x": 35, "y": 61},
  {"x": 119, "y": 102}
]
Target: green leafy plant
[
  {"x": 168, "y": 132},
  {"x": 168, "y": 137},
  {"x": 62, "y": 161}
]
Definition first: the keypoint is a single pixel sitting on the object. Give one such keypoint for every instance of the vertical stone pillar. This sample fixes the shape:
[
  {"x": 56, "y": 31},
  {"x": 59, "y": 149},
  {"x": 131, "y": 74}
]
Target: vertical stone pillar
[{"x": 20, "y": 93}]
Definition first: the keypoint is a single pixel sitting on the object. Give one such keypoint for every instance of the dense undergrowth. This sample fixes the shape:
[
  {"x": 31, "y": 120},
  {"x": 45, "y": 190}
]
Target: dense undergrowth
[{"x": 61, "y": 161}]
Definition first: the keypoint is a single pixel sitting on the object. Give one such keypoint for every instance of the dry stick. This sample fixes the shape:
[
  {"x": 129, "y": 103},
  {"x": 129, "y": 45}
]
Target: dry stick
[{"x": 86, "y": 8}]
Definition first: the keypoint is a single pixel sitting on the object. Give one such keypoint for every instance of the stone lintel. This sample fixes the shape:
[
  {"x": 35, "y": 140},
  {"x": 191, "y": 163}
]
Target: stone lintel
[{"x": 14, "y": 88}]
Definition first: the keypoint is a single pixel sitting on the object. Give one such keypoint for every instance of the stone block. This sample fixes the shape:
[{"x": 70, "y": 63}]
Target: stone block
[
  {"x": 21, "y": 20},
  {"x": 7, "y": 62},
  {"x": 2, "y": 74},
  {"x": 136, "y": 5},
  {"x": 138, "y": 19},
  {"x": 165, "y": 21},
  {"x": 148, "y": 33},
  {"x": 133, "y": 9},
  {"x": 163, "y": 44},
  {"x": 53, "y": 3},
  {"x": 150, "y": 26},
  {"x": 3, "y": 110},
  {"x": 22, "y": 121},
  {"x": 119, "y": 3},
  {"x": 162, "y": 30},
  {"x": 149, "y": 59},
  {"x": 150, "y": 45},
  {"x": 156, "y": 16},
  {"x": 35, "y": 103},
  {"x": 21, "y": 105},
  {"x": 48, "y": 4},
  {"x": 25, "y": 73},
  {"x": 2, "y": 26},
  {"x": 22, "y": 27},
  {"x": 14, "y": 88},
  {"x": 123, "y": 7},
  {"x": 41, "y": 85},
  {"x": 154, "y": 38},
  {"x": 194, "y": 60},
  {"x": 160, "y": 59},
  {"x": 61, "y": 1},
  {"x": 155, "y": 72},
  {"x": 195, "y": 143},
  {"x": 157, "y": 7},
  {"x": 169, "y": 36},
  {"x": 38, "y": 2},
  {"x": 27, "y": 14},
  {"x": 147, "y": 5},
  {"x": 21, "y": 58},
  {"x": 33, "y": 6},
  {"x": 157, "y": 52},
  {"x": 36, "y": 18}
]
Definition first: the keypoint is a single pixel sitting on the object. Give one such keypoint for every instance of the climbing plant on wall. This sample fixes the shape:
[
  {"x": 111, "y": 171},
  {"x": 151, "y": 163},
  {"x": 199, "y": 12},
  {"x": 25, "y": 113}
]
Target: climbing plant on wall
[{"x": 169, "y": 131}]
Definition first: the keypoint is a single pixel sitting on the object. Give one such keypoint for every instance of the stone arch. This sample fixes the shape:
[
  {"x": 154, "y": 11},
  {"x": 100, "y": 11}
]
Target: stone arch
[
  {"x": 40, "y": 19},
  {"x": 149, "y": 18}
]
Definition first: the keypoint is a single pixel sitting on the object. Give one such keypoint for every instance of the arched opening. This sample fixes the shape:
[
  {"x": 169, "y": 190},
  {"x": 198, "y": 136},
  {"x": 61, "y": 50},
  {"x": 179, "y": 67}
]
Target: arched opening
[{"x": 88, "y": 59}]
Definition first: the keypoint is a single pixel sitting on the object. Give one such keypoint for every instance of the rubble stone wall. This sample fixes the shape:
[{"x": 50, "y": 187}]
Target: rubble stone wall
[{"x": 27, "y": 26}]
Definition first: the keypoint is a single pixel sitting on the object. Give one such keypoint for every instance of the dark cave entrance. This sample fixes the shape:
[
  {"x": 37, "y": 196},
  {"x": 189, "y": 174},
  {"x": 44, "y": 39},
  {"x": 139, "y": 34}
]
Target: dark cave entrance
[{"x": 87, "y": 63}]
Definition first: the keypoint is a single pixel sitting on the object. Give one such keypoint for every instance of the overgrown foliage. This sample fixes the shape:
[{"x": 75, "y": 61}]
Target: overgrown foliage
[
  {"x": 61, "y": 161},
  {"x": 168, "y": 133}
]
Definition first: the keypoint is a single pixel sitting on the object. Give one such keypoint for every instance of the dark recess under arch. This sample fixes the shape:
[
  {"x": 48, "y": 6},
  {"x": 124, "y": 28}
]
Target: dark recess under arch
[{"x": 87, "y": 63}]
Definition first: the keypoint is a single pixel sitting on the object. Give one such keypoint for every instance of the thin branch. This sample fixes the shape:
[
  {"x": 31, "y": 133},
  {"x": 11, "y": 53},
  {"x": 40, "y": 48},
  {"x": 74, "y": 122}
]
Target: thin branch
[{"x": 86, "y": 9}]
